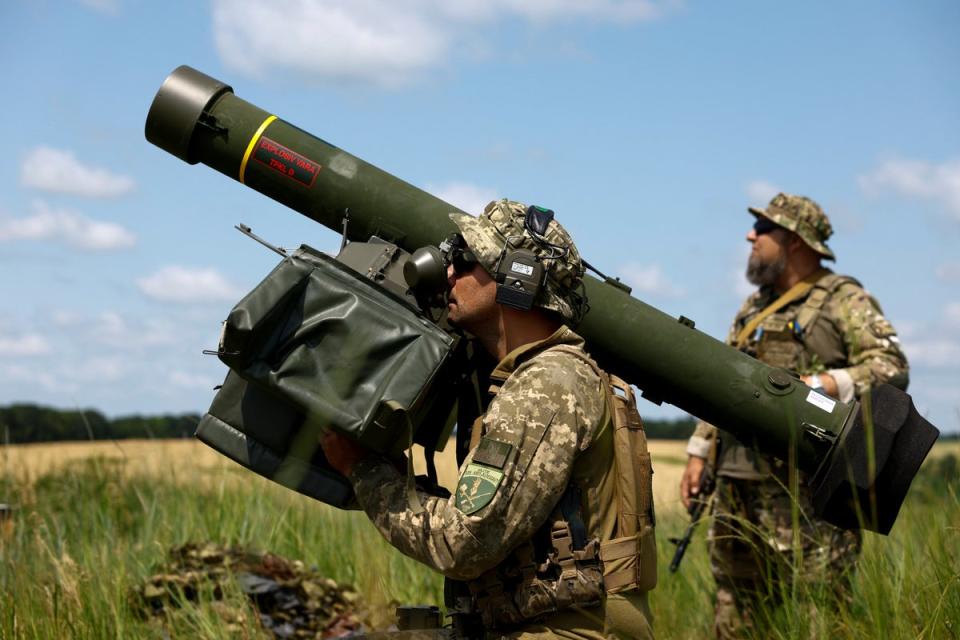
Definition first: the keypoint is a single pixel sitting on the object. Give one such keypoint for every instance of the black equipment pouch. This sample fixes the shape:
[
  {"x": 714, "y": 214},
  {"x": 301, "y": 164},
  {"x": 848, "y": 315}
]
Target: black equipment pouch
[{"x": 318, "y": 346}]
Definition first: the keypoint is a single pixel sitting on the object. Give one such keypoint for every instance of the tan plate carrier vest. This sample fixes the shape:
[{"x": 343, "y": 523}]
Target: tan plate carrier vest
[{"x": 549, "y": 573}]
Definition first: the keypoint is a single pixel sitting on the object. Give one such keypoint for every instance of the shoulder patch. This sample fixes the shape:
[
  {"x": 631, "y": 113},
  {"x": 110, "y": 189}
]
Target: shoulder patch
[
  {"x": 476, "y": 487},
  {"x": 482, "y": 477},
  {"x": 492, "y": 453}
]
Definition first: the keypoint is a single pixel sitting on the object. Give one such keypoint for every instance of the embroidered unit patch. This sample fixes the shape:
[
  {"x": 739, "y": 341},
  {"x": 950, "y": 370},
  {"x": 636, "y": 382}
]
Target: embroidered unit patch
[{"x": 476, "y": 487}]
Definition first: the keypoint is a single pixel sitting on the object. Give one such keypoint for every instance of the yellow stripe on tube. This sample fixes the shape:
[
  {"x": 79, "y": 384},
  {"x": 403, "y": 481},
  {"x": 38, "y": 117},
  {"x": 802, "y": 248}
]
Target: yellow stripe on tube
[{"x": 253, "y": 143}]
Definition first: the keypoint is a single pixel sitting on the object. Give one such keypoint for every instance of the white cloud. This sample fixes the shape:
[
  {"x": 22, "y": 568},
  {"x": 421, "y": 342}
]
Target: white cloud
[
  {"x": 67, "y": 226},
  {"x": 111, "y": 328},
  {"x": 387, "y": 43},
  {"x": 949, "y": 272},
  {"x": 59, "y": 171},
  {"x": 64, "y": 319},
  {"x": 100, "y": 368},
  {"x": 188, "y": 380},
  {"x": 908, "y": 329},
  {"x": 918, "y": 179},
  {"x": 952, "y": 313},
  {"x": 934, "y": 352},
  {"x": 540, "y": 11},
  {"x": 382, "y": 43},
  {"x": 38, "y": 376},
  {"x": 648, "y": 279},
  {"x": 183, "y": 284},
  {"x": 468, "y": 197},
  {"x": 124, "y": 333},
  {"x": 760, "y": 193},
  {"x": 30, "y": 344}
]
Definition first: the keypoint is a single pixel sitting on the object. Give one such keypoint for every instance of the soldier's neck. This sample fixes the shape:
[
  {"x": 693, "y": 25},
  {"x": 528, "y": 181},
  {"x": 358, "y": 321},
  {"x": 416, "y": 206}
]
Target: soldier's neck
[
  {"x": 518, "y": 328},
  {"x": 794, "y": 272}
]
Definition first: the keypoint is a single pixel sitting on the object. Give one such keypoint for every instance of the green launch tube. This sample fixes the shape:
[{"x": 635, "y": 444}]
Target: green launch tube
[{"x": 862, "y": 459}]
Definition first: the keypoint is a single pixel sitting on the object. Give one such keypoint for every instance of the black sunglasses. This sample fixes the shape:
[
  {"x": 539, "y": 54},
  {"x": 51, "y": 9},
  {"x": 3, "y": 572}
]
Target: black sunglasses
[
  {"x": 764, "y": 225},
  {"x": 463, "y": 260}
]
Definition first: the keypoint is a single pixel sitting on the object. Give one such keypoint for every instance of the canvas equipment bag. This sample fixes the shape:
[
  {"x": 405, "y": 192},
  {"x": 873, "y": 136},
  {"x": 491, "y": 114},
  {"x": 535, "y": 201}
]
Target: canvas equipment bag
[{"x": 317, "y": 346}]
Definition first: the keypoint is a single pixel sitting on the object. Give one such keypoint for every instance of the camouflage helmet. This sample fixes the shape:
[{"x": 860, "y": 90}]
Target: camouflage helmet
[
  {"x": 502, "y": 223},
  {"x": 803, "y": 216}
]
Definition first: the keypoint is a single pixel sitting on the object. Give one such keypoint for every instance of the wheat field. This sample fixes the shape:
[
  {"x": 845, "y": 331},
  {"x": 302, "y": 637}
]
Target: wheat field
[
  {"x": 190, "y": 461},
  {"x": 92, "y": 520}
]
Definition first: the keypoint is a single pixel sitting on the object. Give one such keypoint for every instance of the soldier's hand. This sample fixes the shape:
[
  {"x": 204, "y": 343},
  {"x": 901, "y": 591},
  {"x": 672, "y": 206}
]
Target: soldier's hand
[
  {"x": 690, "y": 482},
  {"x": 342, "y": 452},
  {"x": 828, "y": 384}
]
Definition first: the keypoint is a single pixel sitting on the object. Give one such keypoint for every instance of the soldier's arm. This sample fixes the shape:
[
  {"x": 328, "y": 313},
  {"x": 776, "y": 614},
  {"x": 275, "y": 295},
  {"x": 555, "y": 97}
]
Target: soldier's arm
[
  {"x": 703, "y": 440},
  {"x": 507, "y": 491},
  {"x": 873, "y": 348}
]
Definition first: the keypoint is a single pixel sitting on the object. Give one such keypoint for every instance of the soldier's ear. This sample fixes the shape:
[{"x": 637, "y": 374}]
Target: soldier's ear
[{"x": 793, "y": 242}]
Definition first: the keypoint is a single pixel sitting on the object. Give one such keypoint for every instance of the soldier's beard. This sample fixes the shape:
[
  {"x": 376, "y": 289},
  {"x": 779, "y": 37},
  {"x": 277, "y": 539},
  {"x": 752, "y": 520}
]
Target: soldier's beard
[{"x": 763, "y": 273}]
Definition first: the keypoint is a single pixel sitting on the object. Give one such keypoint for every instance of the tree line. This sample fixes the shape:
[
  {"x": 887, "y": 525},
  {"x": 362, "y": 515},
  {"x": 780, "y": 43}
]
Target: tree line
[{"x": 25, "y": 423}]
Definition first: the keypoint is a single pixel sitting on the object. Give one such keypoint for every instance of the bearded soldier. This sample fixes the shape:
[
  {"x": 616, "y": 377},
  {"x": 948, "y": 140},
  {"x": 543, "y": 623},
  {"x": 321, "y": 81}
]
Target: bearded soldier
[
  {"x": 549, "y": 531},
  {"x": 828, "y": 329}
]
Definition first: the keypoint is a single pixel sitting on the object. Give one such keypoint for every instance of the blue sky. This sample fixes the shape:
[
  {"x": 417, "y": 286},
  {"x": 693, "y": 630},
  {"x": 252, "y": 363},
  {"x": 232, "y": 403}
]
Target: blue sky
[{"x": 648, "y": 127}]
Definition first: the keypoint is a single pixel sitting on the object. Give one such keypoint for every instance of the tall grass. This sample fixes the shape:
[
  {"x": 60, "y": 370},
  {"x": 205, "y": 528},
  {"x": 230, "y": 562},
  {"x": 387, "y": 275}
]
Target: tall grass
[
  {"x": 907, "y": 584},
  {"x": 84, "y": 537}
]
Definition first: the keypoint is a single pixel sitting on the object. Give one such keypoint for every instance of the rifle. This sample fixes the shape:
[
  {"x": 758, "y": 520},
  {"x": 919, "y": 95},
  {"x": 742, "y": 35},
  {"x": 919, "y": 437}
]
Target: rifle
[{"x": 697, "y": 507}]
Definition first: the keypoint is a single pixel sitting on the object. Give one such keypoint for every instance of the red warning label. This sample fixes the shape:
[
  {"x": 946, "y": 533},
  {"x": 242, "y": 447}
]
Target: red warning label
[{"x": 289, "y": 163}]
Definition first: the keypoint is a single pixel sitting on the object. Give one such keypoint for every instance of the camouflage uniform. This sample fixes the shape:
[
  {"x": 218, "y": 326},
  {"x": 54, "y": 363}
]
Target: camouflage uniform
[
  {"x": 546, "y": 437},
  {"x": 762, "y": 540}
]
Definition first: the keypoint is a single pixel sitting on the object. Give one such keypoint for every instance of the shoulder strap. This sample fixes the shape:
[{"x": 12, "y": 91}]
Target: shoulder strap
[
  {"x": 634, "y": 494},
  {"x": 606, "y": 380},
  {"x": 824, "y": 288},
  {"x": 585, "y": 357},
  {"x": 832, "y": 281},
  {"x": 795, "y": 292},
  {"x": 630, "y": 560}
]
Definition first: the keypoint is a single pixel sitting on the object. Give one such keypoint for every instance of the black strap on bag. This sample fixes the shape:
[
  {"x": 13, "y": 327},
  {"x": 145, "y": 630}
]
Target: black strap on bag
[{"x": 570, "y": 509}]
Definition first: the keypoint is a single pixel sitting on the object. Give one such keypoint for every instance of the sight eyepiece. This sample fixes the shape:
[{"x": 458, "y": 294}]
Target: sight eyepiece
[{"x": 426, "y": 271}]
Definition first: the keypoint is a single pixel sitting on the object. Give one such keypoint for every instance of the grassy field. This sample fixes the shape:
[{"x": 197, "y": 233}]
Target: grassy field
[{"x": 93, "y": 520}]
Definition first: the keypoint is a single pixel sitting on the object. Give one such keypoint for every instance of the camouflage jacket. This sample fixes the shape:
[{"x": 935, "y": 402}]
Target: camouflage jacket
[
  {"x": 548, "y": 410},
  {"x": 836, "y": 328}
]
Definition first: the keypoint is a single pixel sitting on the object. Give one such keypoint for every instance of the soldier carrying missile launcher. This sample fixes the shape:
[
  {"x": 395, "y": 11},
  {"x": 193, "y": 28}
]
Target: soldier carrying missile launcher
[
  {"x": 550, "y": 527},
  {"x": 285, "y": 346}
]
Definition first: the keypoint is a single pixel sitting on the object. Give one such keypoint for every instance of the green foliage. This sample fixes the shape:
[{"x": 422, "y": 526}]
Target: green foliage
[
  {"x": 907, "y": 585},
  {"x": 679, "y": 429},
  {"x": 84, "y": 538},
  {"x": 24, "y": 423}
]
